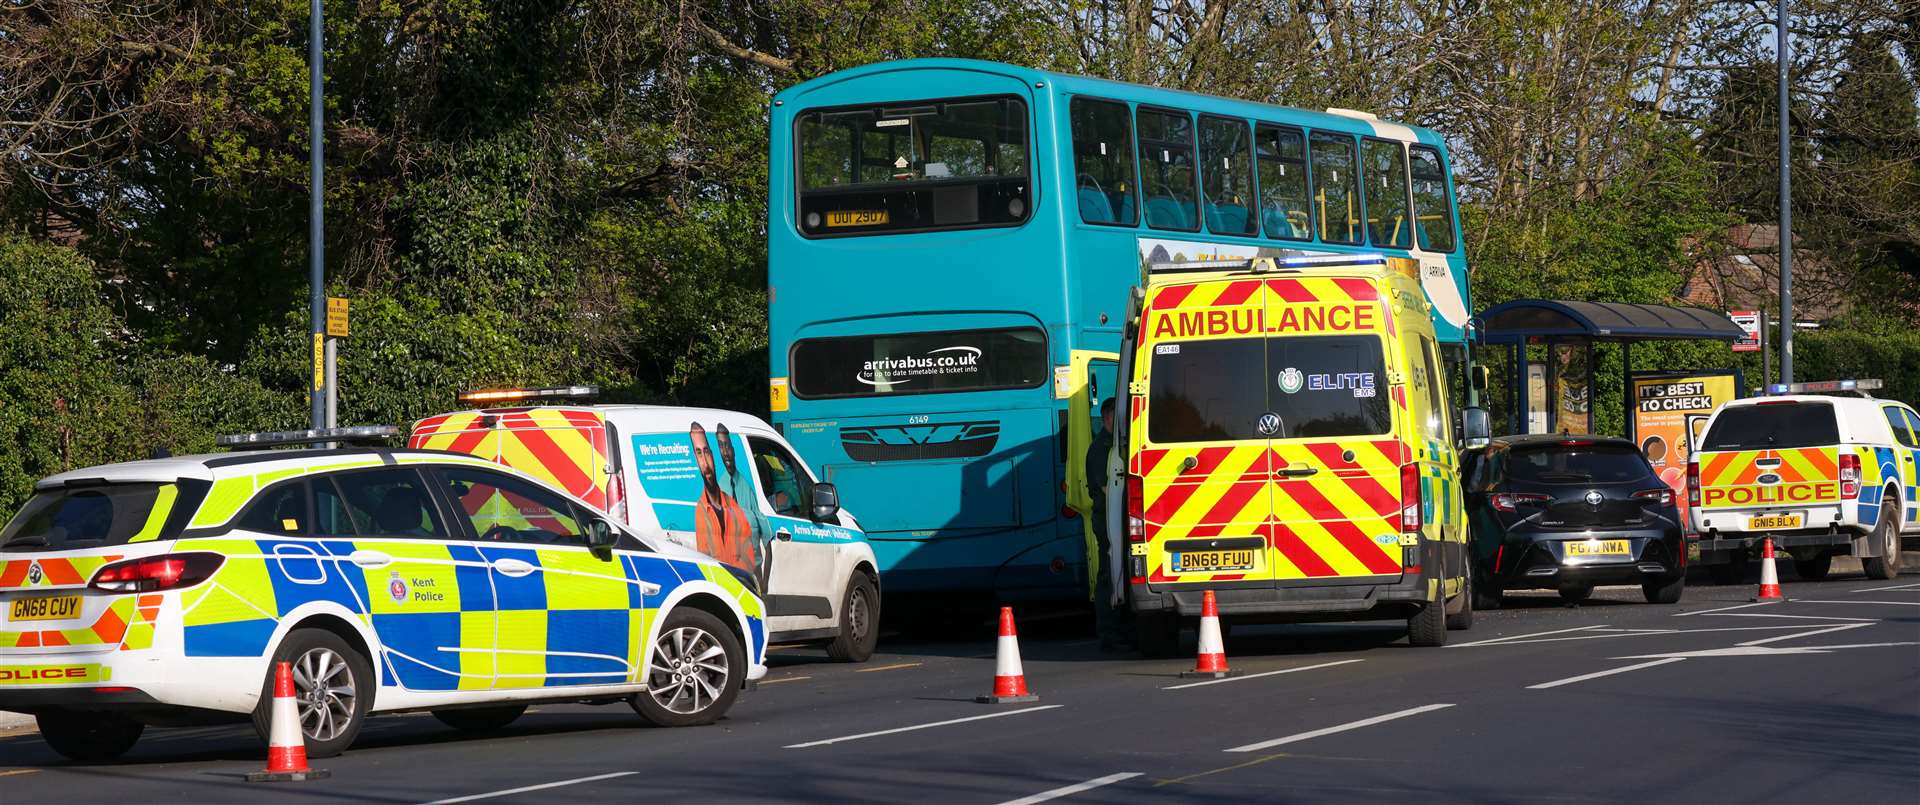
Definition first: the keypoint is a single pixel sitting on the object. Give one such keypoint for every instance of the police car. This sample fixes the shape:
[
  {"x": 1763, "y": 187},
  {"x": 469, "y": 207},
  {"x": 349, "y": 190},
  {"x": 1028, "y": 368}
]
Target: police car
[{"x": 162, "y": 592}]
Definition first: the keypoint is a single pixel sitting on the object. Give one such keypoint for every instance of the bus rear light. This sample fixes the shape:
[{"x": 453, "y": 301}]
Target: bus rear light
[
  {"x": 156, "y": 573},
  {"x": 1693, "y": 483},
  {"x": 1849, "y": 475},
  {"x": 1410, "y": 502}
]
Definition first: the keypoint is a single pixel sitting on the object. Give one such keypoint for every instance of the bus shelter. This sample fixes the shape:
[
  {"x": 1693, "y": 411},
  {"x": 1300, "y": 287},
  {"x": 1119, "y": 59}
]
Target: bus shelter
[{"x": 1556, "y": 394}]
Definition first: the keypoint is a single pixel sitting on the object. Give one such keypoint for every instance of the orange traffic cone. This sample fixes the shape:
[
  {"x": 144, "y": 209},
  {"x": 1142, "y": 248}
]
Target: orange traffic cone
[
  {"x": 286, "y": 746},
  {"x": 1769, "y": 578},
  {"x": 1212, "y": 661},
  {"x": 1009, "y": 681}
]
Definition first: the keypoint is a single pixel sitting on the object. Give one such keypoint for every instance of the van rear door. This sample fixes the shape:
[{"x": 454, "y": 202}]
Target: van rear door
[{"x": 1774, "y": 455}]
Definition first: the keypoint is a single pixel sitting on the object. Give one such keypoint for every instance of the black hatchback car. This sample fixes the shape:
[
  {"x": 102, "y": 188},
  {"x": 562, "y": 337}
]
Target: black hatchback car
[{"x": 1557, "y": 511}]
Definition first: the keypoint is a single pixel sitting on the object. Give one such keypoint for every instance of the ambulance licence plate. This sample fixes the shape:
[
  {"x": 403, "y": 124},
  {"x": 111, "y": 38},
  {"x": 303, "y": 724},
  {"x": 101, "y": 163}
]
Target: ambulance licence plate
[
  {"x": 1598, "y": 547},
  {"x": 1763, "y": 522},
  {"x": 45, "y": 608},
  {"x": 1207, "y": 561},
  {"x": 856, "y": 218}
]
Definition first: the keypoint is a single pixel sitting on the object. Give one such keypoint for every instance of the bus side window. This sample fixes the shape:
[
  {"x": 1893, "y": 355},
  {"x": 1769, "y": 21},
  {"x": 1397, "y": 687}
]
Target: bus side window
[
  {"x": 1226, "y": 175},
  {"x": 1103, "y": 161},
  {"x": 1284, "y": 210},
  {"x": 1336, "y": 205},
  {"x": 1432, "y": 205},
  {"x": 1387, "y": 219},
  {"x": 1166, "y": 166}
]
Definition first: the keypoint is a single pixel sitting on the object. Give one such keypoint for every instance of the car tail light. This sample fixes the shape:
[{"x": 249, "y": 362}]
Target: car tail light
[
  {"x": 1849, "y": 475},
  {"x": 155, "y": 573},
  {"x": 1662, "y": 496},
  {"x": 1136, "y": 529},
  {"x": 1410, "y": 501},
  {"x": 1512, "y": 501},
  {"x": 1693, "y": 483}
]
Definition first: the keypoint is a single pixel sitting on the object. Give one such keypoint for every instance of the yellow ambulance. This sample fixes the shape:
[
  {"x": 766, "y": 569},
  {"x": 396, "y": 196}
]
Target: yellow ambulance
[{"x": 1289, "y": 443}]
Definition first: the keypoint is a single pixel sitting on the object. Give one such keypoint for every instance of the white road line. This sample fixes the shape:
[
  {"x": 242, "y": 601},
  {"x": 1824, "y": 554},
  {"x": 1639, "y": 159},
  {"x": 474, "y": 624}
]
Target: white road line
[
  {"x": 1070, "y": 790},
  {"x": 1777, "y": 638},
  {"x": 1257, "y": 676},
  {"x": 525, "y": 789},
  {"x": 1796, "y": 617},
  {"x": 922, "y": 726},
  {"x": 1885, "y": 589},
  {"x": 1860, "y": 645},
  {"x": 1724, "y": 609},
  {"x": 1365, "y": 722},
  {"x": 1888, "y": 603},
  {"x": 1493, "y": 640},
  {"x": 1597, "y": 674}
]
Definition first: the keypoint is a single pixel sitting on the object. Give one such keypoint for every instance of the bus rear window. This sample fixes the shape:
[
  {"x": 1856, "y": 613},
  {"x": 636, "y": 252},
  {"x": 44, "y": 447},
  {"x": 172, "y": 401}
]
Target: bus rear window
[
  {"x": 1772, "y": 426},
  {"x": 919, "y": 363},
  {"x": 910, "y": 167}
]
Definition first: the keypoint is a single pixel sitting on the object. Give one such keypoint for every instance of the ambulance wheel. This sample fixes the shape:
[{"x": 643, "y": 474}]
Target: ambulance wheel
[
  {"x": 1428, "y": 627},
  {"x": 1813, "y": 568},
  {"x": 1463, "y": 620},
  {"x": 1731, "y": 572},
  {"x": 480, "y": 719},
  {"x": 1157, "y": 634},
  {"x": 694, "y": 673},
  {"x": 859, "y": 622},
  {"x": 1887, "y": 536},
  {"x": 333, "y": 685},
  {"x": 89, "y": 737}
]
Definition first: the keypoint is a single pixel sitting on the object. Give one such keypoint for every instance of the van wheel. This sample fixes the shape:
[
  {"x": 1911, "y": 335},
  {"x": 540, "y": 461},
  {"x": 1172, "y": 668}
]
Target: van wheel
[
  {"x": 1886, "y": 536},
  {"x": 480, "y": 719},
  {"x": 859, "y": 621},
  {"x": 1157, "y": 634},
  {"x": 1463, "y": 620},
  {"x": 693, "y": 673},
  {"x": 1428, "y": 627},
  {"x": 89, "y": 737},
  {"x": 332, "y": 685}
]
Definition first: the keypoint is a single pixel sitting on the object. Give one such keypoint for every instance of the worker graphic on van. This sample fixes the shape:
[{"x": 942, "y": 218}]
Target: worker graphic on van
[{"x": 721, "y": 528}]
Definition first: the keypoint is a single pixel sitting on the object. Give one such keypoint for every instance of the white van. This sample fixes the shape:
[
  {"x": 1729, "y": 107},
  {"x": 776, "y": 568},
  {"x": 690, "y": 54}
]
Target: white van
[{"x": 721, "y": 482}]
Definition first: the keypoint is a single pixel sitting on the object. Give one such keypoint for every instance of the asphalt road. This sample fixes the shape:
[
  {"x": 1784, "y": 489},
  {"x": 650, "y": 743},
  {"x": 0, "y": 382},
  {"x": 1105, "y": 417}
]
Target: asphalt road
[{"x": 1712, "y": 700}]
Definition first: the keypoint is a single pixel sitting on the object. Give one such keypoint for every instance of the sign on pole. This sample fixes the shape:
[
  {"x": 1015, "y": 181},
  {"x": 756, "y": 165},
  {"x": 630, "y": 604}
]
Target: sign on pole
[
  {"x": 336, "y": 317},
  {"x": 1749, "y": 321}
]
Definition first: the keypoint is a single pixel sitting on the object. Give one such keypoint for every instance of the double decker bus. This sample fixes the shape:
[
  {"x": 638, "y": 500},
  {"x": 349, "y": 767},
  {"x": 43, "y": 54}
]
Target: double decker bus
[{"x": 952, "y": 244}]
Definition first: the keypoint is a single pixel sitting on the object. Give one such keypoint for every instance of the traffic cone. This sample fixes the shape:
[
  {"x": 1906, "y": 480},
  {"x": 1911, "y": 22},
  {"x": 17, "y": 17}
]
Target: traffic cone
[
  {"x": 1009, "y": 682},
  {"x": 286, "y": 746},
  {"x": 1769, "y": 578},
  {"x": 1212, "y": 661}
]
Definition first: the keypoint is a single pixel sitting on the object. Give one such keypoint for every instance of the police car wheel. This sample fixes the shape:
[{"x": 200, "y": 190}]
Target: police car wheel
[
  {"x": 1887, "y": 536},
  {"x": 89, "y": 737},
  {"x": 694, "y": 672},
  {"x": 480, "y": 719},
  {"x": 332, "y": 683},
  {"x": 859, "y": 622}
]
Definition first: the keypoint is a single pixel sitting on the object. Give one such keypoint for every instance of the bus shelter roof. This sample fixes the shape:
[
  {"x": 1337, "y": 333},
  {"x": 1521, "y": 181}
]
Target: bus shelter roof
[{"x": 1524, "y": 320}]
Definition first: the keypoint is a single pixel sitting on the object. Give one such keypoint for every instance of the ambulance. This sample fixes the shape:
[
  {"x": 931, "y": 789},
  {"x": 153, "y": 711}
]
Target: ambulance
[
  {"x": 164, "y": 592},
  {"x": 720, "y": 482},
  {"x": 1824, "y": 469},
  {"x": 1290, "y": 446}
]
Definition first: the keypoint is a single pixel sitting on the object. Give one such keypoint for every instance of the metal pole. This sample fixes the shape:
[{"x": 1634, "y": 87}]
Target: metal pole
[
  {"x": 333, "y": 383},
  {"x": 1766, "y": 354},
  {"x": 1626, "y": 389},
  {"x": 316, "y": 217},
  {"x": 1786, "y": 207}
]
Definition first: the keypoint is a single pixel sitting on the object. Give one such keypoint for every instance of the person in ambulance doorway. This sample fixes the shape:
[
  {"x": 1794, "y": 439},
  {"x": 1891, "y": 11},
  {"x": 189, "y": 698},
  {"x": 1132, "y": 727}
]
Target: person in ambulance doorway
[
  {"x": 721, "y": 527},
  {"x": 1108, "y": 618}
]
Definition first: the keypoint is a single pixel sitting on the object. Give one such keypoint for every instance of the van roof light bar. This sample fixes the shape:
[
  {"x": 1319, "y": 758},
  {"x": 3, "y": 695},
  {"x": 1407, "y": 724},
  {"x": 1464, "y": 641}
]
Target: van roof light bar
[
  {"x": 361, "y": 434},
  {"x": 1860, "y": 386},
  {"x": 542, "y": 393}
]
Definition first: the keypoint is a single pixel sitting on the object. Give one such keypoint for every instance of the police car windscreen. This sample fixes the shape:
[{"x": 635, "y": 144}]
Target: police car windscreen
[
  {"x": 81, "y": 517},
  {"x": 1773, "y": 426},
  {"x": 1219, "y": 390},
  {"x": 920, "y": 363}
]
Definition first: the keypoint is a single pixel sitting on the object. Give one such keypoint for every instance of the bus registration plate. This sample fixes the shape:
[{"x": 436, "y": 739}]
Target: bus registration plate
[
  {"x": 1208, "y": 561},
  {"x": 45, "y": 608},
  {"x": 856, "y": 217}
]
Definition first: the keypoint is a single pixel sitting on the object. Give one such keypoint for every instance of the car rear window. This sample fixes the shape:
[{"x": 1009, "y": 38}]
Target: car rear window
[
  {"x": 1217, "y": 390},
  {"x": 74, "y": 517},
  {"x": 1577, "y": 464},
  {"x": 1772, "y": 426}
]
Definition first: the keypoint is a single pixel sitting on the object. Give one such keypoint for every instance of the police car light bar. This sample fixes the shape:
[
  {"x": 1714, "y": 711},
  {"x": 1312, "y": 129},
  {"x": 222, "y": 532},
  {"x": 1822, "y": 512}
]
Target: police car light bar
[
  {"x": 546, "y": 393},
  {"x": 1204, "y": 265},
  {"x": 279, "y": 438},
  {"x": 1826, "y": 386}
]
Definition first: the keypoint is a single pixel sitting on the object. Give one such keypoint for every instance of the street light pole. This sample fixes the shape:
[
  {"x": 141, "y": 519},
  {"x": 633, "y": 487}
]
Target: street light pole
[
  {"x": 1786, "y": 206},
  {"x": 316, "y": 216}
]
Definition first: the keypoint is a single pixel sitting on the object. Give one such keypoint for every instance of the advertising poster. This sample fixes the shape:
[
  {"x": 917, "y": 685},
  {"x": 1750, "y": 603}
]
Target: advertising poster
[
  {"x": 1670, "y": 412},
  {"x": 703, "y": 493}
]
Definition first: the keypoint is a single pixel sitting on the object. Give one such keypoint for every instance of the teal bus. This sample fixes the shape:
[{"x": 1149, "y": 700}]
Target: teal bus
[{"x": 947, "y": 238}]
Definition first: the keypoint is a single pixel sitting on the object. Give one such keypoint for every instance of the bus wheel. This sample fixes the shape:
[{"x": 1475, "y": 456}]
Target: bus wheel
[
  {"x": 1157, "y": 634},
  {"x": 89, "y": 737}
]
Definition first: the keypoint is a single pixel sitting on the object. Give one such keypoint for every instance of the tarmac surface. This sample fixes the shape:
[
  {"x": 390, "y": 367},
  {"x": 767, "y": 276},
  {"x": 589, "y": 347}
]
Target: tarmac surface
[{"x": 1712, "y": 700}]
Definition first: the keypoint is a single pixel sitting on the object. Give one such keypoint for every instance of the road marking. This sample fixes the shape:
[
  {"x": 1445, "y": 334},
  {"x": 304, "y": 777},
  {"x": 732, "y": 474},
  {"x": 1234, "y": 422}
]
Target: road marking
[
  {"x": 1733, "y": 651},
  {"x": 1888, "y": 603},
  {"x": 922, "y": 726},
  {"x": 1724, "y": 609},
  {"x": 1070, "y": 790},
  {"x": 1862, "y": 645},
  {"x": 1612, "y": 633},
  {"x": 1797, "y": 617},
  {"x": 1597, "y": 674},
  {"x": 894, "y": 667},
  {"x": 1885, "y": 589},
  {"x": 527, "y": 788},
  {"x": 1257, "y": 676},
  {"x": 1777, "y": 638},
  {"x": 1354, "y": 725},
  {"x": 1521, "y": 636},
  {"x": 17, "y": 772},
  {"x": 783, "y": 679}
]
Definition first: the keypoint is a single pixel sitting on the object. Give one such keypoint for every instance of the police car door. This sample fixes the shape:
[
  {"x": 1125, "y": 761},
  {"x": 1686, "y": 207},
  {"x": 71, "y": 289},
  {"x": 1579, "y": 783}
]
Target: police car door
[
  {"x": 562, "y": 612},
  {"x": 800, "y": 558}
]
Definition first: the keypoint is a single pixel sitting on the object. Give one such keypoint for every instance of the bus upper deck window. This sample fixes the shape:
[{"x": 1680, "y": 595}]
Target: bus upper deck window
[
  {"x": 1166, "y": 169},
  {"x": 1103, "y": 161},
  {"x": 1284, "y": 210},
  {"x": 1226, "y": 176},
  {"x": 909, "y": 167},
  {"x": 1432, "y": 205},
  {"x": 1336, "y": 200},
  {"x": 1387, "y": 206}
]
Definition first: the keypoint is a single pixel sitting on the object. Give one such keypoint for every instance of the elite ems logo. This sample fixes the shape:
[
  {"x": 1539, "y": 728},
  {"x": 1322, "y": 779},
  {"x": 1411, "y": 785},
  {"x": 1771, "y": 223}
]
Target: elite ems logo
[{"x": 1291, "y": 380}]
